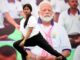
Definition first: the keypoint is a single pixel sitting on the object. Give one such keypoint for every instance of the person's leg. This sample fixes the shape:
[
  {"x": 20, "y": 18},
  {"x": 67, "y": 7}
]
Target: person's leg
[
  {"x": 41, "y": 42},
  {"x": 9, "y": 28},
  {"x": 3, "y": 34},
  {"x": 20, "y": 49},
  {"x": 29, "y": 42}
]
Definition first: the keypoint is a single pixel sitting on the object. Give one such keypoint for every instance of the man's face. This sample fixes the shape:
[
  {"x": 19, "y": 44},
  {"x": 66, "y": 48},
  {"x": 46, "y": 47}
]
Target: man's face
[
  {"x": 46, "y": 11},
  {"x": 13, "y": 57},
  {"x": 73, "y": 3}
]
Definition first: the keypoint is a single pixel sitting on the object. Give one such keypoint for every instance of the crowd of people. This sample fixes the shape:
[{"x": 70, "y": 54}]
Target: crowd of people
[{"x": 45, "y": 24}]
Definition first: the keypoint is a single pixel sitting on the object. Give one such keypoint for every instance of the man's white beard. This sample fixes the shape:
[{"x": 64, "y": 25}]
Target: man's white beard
[{"x": 46, "y": 19}]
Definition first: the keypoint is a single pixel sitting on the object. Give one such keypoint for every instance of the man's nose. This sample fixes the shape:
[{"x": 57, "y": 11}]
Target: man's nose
[{"x": 47, "y": 12}]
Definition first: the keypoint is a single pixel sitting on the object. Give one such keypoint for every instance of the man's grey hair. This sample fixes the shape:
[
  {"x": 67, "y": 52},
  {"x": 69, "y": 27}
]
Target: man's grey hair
[{"x": 43, "y": 2}]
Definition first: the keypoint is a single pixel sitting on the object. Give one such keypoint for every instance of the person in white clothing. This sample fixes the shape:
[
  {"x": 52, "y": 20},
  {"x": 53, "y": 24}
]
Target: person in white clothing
[
  {"x": 54, "y": 34},
  {"x": 11, "y": 11},
  {"x": 70, "y": 19},
  {"x": 32, "y": 36},
  {"x": 61, "y": 6}
]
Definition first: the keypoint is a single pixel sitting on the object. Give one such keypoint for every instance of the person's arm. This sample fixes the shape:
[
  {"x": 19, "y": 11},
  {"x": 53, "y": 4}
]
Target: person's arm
[
  {"x": 28, "y": 33},
  {"x": 11, "y": 20}
]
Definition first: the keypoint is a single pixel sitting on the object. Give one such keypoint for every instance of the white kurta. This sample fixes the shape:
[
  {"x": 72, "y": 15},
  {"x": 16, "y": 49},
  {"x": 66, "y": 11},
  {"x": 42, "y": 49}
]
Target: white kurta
[
  {"x": 70, "y": 22},
  {"x": 60, "y": 40}
]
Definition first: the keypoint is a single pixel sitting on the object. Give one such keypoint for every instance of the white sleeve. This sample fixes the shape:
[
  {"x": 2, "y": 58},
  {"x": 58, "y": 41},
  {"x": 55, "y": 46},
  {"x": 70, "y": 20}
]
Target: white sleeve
[
  {"x": 65, "y": 42},
  {"x": 61, "y": 19},
  {"x": 32, "y": 22},
  {"x": 77, "y": 54}
]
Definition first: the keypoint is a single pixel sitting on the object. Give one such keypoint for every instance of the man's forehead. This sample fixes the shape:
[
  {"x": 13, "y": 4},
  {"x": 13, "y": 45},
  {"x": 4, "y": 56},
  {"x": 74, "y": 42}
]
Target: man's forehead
[
  {"x": 46, "y": 4},
  {"x": 43, "y": 6}
]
